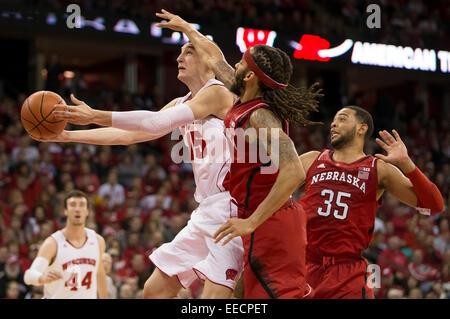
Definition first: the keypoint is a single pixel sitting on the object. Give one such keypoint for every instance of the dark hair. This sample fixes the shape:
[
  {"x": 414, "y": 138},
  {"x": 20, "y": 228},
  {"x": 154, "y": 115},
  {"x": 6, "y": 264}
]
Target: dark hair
[
  {"x": 292, "y": 104},
  {"x": 364, "y": 117},
  {"x": 75, "y": 193}
]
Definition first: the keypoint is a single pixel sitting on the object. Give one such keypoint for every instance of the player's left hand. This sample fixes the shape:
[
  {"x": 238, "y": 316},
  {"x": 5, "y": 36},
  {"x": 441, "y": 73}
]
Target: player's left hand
[
  {"x": 175, "y": 22},
  {"x": 233, "y": 228},
  {"x": 80, "y": 113},
  {"x": 397, "y": 153}
]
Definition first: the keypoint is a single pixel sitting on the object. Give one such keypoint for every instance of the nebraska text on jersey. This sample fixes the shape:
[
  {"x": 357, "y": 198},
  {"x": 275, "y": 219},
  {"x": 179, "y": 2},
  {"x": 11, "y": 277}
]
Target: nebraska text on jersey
[
  {"x": 79, "y": 261},
  {"x": 340, "y": 177}
]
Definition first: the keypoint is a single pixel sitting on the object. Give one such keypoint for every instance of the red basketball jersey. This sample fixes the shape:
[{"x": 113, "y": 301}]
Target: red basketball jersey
[
  {"x": 248, "y": 183},
  {"x": 340, "y": 202}
]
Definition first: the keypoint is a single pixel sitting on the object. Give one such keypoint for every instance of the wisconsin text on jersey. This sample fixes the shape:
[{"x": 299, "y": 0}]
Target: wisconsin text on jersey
[
  {"x": 342, "y": 177},
  {"x": 79, "y": 261}
]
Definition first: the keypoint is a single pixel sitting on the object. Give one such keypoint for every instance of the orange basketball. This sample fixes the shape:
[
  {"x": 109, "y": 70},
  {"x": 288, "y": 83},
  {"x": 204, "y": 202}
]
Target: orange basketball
[{"x": 37, "y": 115}]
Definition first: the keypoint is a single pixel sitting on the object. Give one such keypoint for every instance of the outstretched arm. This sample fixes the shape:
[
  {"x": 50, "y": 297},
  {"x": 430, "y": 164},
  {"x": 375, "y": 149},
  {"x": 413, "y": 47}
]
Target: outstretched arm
[
  {"x": 414, "y": 189},
  {"x": 102, "y": 136},
  {"x": 213, "y": 100},
  {"x": 290, "y": 175},
  {"x": 207, "y": 49},
  {"x": 106, "y": 135}
]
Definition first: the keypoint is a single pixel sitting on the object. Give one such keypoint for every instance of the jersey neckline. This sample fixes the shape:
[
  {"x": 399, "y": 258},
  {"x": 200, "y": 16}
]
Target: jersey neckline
[
  {"x": 71, "y": 244},
  {"x": 330, "y": 154}
]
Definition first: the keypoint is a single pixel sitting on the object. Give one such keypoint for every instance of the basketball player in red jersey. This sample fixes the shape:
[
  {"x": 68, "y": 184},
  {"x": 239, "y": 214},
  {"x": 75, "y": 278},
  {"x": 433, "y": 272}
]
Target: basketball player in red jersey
[
  {"x": 343, "y": 187},
  {"x": 269, "y": 223}
]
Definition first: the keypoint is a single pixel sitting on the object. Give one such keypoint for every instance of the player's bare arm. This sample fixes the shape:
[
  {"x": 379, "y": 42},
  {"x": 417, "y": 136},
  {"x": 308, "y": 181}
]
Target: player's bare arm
[
  {"x": 38, "y": 273},
  {"x": 291, "y": 174},
  {"x": 82, "y": 114},
  {"x": 210, "y": 52},
  {"x": 106, "y": 135},
  {"x": 101, "y": 274},
  {"x": 392, "y": 180},
  {"x": 214, "y": 100},
  {"x": 208, "y": 101},
  {"x": 224, "y": 72},
  {"x": 307, "y": 159},
  {"x": 414, "y": 189}
]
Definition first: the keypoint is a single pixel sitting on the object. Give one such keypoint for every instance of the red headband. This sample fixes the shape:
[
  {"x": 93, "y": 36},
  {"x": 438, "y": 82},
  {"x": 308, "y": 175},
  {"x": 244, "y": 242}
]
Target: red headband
[{"x": 267, "y": 80}]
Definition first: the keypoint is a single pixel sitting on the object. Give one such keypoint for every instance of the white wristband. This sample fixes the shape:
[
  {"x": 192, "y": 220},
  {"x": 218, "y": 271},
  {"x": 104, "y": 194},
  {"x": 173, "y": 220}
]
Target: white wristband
[
  {"x": 32, "y": 275},
  {"x": 161, "y": 122}
]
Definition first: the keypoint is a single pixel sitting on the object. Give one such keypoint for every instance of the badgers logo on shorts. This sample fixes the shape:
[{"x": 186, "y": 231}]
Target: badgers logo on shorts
[{"x": 231, "y": 274}]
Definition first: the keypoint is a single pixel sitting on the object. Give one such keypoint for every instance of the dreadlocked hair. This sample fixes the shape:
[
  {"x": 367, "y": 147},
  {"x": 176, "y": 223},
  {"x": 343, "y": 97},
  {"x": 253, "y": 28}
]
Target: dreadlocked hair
[{"x": 292, "y": 104}]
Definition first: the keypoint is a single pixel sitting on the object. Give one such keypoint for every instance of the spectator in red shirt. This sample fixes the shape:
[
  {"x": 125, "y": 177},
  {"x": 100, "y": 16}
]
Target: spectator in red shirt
[
  {"x": 135, "y": 268},
  {"x": 137, "y": 189},
  {"x": 43, "y": 181},
  {"x": 151, "y": 181},
  {"x": 421, "y": 271},
  {"x": 25, "y": 262},
  {"x": 140, "y": 268},
  {"x": 400, "y": 219},
  {"x": 394, "y": 257},
  {"x": 173, "y": 210},
  {"x": 420, "y": 240},
  {"x": 410, "y": 234},
  {"x": 132, "y": 247},
  {"x": 44, "y": 200},
  {"x": 86, "y": 180},
  {"x": 431, "y": 256}
]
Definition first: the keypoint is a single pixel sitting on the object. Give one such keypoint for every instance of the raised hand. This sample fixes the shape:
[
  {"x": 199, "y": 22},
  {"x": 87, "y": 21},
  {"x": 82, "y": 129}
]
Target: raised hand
[
  {"x": 80, "y": 113},
  {"x": 175, "y": 22},
  {"x": 397, "y": 153}
]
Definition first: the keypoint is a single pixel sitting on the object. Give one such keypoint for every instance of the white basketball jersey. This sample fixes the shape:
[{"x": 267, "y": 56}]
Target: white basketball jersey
[
  {"x": 78, "y": 266},
  {"x": 209, "y": 150}
]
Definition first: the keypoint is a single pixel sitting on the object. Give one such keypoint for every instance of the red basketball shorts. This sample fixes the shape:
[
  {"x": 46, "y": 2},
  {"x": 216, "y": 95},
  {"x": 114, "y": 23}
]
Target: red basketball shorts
[
  {"x": 274, "y": 256},
  {"x": 340, "y": 280}
]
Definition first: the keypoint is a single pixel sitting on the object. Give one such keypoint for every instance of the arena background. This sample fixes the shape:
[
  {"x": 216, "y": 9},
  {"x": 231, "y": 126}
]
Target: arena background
[{"x": 117, "y": 61}]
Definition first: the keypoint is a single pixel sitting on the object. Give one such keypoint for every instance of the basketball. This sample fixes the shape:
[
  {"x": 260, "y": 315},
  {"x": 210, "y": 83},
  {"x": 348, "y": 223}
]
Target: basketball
[{"x": 37, "y": 115}]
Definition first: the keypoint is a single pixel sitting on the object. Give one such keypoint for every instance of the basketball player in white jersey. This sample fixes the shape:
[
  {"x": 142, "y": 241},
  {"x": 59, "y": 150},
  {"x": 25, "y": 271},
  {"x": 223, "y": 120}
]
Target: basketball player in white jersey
[
  {"x": 69, "y": 262},
  {"x": 193, "y": 252}
]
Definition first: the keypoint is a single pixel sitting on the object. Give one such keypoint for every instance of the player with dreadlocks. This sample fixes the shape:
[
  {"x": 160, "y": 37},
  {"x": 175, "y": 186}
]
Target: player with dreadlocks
[{"x": 272, "y": 225}]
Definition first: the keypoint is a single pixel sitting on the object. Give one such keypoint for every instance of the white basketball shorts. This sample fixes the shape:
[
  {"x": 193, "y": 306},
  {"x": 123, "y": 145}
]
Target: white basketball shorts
[{"x": 193, "y": 254}]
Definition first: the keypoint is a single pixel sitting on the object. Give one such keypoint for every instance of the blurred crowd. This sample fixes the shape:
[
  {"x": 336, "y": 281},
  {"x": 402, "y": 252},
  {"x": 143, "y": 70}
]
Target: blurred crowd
[{"x": 417, "y": 23}]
